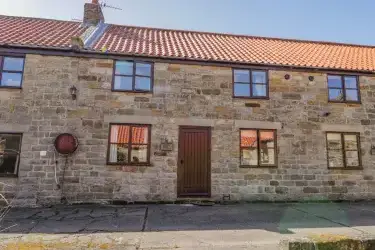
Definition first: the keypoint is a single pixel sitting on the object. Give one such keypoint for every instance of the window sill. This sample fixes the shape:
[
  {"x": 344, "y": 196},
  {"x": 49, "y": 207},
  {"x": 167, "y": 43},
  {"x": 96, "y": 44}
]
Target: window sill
[
  {"x": 130, "y": 165},
  {"x": 8, "y": 176},
  {"x": 251, "y": 98},
  {"x": 346, "y": 168},
  {"x": 9, "y": 87},
  {"x": 345, "y": 102},
  {"x": 249, "y": 166},
  {"x": 132, "y": 91}
]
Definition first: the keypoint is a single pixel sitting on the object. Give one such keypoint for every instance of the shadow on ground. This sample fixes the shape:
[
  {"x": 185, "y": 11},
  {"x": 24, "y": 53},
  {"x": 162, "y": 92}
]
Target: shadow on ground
[{"x": 280, "y": 218}]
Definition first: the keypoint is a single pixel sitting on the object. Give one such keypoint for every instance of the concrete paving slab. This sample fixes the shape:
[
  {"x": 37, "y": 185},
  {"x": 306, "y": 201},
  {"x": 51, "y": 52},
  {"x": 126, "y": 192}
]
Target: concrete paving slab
[
  {"x": 103, "y": 211},
  {"x": 17, "y": 226},
  {"x": 80, "y": 214},
  {"x": 297, "y": 218},
  {"x": 332, "y": 211},
  {"x": 65, "y": 226},
  {"x": 207, "y": 218},
  {"x": 111, "y": 241},
  {"x": 348, "y": 214},
  {"x": 21, "y": 213},
  {"x": 45, "y": 213},
  {"x": 210, "y": 239},
  {"x": 132, "y": 210},
  {"x": 116, "y": 224}
]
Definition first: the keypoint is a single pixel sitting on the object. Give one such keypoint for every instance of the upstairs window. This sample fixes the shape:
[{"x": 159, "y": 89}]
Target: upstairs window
[
  {"x": 10, "y": 147},
  {"x": 132, "y": 76},
  {"x": 343, "y": 88},
  {"x": 129, "y": 144},
  {"x": 11, "y": 71},
  {"x": 258, "y": 148},
  {"x": 250, "y": 83},
  {"x": 343, "y": 150}
]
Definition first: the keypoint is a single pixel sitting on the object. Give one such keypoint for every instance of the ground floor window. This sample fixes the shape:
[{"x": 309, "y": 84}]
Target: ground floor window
[
  {"x": 343, "y": 150},
  {"x": 10, "y": 147},
  {"x": 258, "y": 147},
  {"x": 129, "y": 144}
]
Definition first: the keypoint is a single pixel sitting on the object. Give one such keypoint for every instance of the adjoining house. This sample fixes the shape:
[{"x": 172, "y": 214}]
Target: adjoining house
[{"x": 162, "y": 115}]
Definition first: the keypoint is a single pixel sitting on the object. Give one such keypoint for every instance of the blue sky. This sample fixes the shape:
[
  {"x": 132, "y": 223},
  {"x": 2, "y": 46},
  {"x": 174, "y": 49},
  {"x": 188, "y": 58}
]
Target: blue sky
[{"x": 349, "y": 21}]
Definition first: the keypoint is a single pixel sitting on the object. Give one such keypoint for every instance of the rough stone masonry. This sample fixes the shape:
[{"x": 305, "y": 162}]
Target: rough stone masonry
[{"x": 182, "y": 95}]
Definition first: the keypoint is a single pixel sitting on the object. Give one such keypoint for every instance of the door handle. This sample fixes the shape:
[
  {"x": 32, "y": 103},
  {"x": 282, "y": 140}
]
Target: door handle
[{"x": 182, "y": 161}]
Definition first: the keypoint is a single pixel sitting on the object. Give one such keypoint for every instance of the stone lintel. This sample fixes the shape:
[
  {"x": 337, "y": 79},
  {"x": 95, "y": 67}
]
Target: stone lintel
[
  {"x": 14, "y": 128},
  {"x": 257, "y": 124},
  {"x": 342, "y": 128},
  {"x": 195, "y": 122},
  {"x": 131, "y": 119}
]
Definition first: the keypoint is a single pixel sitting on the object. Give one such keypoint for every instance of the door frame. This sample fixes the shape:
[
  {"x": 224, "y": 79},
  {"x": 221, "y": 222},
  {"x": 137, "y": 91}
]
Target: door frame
[{"x": 180, "y": 175}]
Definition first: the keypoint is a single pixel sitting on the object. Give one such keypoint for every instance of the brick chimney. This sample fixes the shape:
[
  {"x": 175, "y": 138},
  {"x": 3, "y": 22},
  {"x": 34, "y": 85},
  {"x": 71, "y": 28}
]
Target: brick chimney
[{"x": 93, "y": 13}]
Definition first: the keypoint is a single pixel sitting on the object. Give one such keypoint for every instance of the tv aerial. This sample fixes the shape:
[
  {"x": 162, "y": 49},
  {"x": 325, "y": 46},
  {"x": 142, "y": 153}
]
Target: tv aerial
[{"x": 103, "y": 4}]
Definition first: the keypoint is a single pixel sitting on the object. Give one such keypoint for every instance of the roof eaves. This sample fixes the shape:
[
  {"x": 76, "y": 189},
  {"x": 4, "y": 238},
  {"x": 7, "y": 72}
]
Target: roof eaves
[{"x": 234, "y": 63}]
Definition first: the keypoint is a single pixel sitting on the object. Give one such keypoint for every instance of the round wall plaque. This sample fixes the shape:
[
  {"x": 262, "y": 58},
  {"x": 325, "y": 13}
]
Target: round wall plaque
[{"x": 66, "y": 144}]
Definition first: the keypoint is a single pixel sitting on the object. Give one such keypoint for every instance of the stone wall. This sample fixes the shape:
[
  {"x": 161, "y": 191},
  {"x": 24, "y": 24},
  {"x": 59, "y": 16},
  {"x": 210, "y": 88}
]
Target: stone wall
[{"x": 183, "y": 95}]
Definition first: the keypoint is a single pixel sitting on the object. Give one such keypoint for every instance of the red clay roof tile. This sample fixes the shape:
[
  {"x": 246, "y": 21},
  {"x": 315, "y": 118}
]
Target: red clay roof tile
[
  {"x": 153, "y": 42},
  {"x": 37, "y": 31},
  {"x": 235, "y": 48}
]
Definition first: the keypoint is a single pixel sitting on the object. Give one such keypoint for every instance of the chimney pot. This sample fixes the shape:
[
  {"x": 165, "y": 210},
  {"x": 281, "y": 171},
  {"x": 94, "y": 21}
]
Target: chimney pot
[{"x": 95, "y": 1}]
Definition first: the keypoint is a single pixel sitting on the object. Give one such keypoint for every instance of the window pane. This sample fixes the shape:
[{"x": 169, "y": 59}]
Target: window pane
[
  {"x": 335, "y": 158},
  {"x": 9, "y": 164},
  {"x": 249, "y": 138},
  {"x": 13, "y": 63},
  {"x": 11, "y": 79},
  {"x": 350, "y": 82},
  {"x": 267, "y": 139},
  {"x": 241, "y": 75},
  {"x": 267, "y": 156},
  {"x": 113, "y": 153},
  {"x": 119, "y": 134},
  {"x": 123, "y": 83},
  {"x": 143, "y": 83},
  {"x": 124, "y": 68},
  {"x": 143, "y": 69},
  {"x": 258, "y": 77},
  {"x": 259, "y": 90},
  {"x": 249, "y": 157},
  {"x": 351, "y": 95},
  {"x": 336, "y": 95},
  {"x": 139, "y": 153},
  {"x": 140, "y": 135},
  {"x": 334, "y": 141},
  {"x": 352, "y": 158},
  {"x": 350, "y": 142},
  {"x": 267, "y": 144},
  {"x": 10, "y": 143},
  {"x": 334, "y": 81},
  {"x": 119, "y": 153},
  {"x": 242, "y": 89}
]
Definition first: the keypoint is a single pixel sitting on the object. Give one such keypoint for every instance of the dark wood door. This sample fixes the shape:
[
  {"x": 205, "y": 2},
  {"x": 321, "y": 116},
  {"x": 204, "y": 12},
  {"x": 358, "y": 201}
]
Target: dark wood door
[{"x": 194, "y": 162}]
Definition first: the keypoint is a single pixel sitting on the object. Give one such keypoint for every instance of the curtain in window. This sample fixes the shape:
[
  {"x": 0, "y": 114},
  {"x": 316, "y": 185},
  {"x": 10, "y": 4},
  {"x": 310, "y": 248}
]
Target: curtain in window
[{"x": 113, "y": 147}]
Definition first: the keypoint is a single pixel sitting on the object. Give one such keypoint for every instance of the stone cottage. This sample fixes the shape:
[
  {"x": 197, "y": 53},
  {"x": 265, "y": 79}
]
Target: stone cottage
[{"x": 163, "y": 115}]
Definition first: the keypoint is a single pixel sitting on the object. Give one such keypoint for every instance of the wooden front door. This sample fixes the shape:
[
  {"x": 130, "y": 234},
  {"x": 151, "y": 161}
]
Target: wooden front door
[{"x": 194, "y": 162}]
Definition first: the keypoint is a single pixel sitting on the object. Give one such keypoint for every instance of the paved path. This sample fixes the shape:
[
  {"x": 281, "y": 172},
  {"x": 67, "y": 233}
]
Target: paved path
[{"x": 244, "y": 226}]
